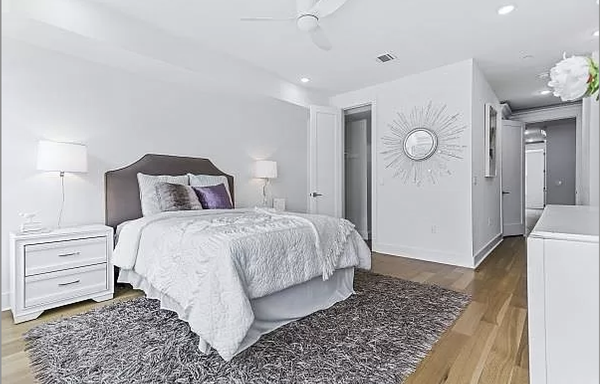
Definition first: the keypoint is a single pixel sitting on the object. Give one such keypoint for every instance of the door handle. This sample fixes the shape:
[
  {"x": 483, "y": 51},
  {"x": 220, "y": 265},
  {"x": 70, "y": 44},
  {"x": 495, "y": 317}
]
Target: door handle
[
  {"x": 315, "y": 194},
  {"x": 505, "y": 193}
]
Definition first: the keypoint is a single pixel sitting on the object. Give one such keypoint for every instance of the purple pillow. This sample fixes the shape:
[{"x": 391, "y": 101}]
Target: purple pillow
[{"x": 214, "y": 197}]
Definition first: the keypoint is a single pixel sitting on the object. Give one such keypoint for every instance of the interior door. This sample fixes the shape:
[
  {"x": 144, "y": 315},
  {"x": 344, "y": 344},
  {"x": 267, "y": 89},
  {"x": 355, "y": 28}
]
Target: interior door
[
  {"x": 513, "y": 178},
  {"x": 535, "y": 178},
  {"x": 325, "y": 161}
]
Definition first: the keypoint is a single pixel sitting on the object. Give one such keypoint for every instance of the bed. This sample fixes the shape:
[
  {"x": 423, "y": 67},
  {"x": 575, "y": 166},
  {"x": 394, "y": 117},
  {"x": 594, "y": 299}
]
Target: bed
[{"x": 232, "y": 275}]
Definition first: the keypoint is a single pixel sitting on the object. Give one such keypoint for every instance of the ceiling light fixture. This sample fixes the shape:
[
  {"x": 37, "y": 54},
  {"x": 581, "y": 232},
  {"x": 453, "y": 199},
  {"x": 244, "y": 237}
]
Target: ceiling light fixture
[
  {"x": 545, "y": 92},
  {"x": 505, "y": 10},
  {"x": 305, "y": 79}
]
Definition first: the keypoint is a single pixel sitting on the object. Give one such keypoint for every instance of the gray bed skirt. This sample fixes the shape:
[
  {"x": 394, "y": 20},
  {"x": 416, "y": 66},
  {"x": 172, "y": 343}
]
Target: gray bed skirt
[{"x": 271, "y": 311}]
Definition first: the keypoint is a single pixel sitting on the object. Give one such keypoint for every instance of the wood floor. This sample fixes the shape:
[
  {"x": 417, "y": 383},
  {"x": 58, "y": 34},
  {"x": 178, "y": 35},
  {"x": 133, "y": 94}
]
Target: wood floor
[{"x": 487, "y": 344}]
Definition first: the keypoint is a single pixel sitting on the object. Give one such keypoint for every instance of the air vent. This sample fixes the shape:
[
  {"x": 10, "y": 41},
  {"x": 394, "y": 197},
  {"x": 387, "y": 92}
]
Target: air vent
[{"x": 385, "y": 57}]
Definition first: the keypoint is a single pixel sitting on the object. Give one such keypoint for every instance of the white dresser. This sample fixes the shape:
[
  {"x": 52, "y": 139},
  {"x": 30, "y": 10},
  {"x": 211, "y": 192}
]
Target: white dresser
[
  {"x": 60, "y": 267},
  {"x": 562, "y": 289}
]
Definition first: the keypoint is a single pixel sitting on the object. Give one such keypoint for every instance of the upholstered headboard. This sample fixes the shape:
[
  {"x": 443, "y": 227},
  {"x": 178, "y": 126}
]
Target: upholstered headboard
[{"x": 123, "y": 193}]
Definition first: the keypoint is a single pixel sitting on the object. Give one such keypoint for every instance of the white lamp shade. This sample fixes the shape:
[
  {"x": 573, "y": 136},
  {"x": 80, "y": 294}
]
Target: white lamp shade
[
  {"x": 62, "y": 157},
  {"x": 265, "y": 169}
]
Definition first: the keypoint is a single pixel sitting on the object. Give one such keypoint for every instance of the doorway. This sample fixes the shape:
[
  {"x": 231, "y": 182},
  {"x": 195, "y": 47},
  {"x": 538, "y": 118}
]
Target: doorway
[
  {"x": 551, "y": 166},
  {"x": 357, "y": 182}
]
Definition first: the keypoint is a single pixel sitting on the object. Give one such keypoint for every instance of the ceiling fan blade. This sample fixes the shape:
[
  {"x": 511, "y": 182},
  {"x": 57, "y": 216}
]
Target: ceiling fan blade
[
  {"x": 267, "y": 18},
  {"x": 320, "y": 39},
  {"x": 326, "y": 7}
]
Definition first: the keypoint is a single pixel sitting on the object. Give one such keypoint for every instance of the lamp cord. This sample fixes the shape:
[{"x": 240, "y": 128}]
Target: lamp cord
[{"x": 62, "y": 200}]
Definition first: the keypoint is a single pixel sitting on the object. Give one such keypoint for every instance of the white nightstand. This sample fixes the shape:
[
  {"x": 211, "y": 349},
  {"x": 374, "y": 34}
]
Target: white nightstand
[{"x": 60, "y": 267}]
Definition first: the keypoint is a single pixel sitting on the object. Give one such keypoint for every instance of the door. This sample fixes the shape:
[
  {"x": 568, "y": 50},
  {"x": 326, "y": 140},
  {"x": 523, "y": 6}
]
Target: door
[
  {"x": 325, "y": 159},
  {"x": 513, "y": 178},
  {"x": 535, "y": 178}
]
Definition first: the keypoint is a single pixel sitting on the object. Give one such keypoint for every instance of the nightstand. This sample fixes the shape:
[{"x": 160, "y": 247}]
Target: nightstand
[{"x": 60, "y": 267}]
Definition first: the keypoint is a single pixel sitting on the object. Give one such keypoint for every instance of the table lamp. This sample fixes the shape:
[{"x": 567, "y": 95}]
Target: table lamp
[
  {"x": 61, "y": 157},
  {"x": 266, "y": 170}
]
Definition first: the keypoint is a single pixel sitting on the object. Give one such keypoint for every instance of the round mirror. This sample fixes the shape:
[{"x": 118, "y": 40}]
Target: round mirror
[{"x": 420, "y": 144}]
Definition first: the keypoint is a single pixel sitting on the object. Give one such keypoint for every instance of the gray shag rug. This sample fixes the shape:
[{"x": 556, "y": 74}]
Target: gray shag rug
[{"x": 378, "y": 336}]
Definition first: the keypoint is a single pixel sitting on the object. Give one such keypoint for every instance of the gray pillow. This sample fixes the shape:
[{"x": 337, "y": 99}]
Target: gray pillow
[
  {"x": 148, "y": 195},
  {"x": 209, "y": 181},
  {"x": 177, "y": 197}
]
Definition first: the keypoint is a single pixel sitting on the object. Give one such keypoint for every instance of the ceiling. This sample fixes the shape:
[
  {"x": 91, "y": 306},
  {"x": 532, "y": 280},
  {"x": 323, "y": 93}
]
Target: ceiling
[{"x": 511, "y": 50}]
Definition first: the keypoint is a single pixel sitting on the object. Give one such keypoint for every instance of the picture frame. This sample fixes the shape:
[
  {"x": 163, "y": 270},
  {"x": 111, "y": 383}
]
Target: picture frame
[{"x": 491, "y": 140}]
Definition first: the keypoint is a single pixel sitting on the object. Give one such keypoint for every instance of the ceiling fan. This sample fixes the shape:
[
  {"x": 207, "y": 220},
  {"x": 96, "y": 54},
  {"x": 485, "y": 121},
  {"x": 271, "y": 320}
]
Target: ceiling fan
[{"x": 308, "y": 17}]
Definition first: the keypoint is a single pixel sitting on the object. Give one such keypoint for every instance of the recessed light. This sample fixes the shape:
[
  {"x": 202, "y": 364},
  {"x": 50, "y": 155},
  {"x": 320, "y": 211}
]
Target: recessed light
[
  {"x": 305, "y": 79},
  {"x": 505, "y": 10},
  {"x": 545, "y": 92},
  {"x": 595, "y": 34}
]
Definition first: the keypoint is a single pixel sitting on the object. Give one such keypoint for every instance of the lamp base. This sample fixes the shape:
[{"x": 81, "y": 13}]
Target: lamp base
[{"x": 265, "y": 202}]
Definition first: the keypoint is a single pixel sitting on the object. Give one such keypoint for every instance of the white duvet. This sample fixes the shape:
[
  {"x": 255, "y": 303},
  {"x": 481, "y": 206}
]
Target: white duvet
[{"x": 213, "y": 262}]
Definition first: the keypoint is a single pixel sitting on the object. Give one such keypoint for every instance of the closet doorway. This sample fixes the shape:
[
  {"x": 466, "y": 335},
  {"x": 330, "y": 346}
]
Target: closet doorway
[{"x": 358, "y": 169}]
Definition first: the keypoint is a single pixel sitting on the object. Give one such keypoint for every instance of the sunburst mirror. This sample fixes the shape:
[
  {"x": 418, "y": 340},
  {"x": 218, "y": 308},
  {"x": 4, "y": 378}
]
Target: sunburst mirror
[{"x": 419, "y": 145}]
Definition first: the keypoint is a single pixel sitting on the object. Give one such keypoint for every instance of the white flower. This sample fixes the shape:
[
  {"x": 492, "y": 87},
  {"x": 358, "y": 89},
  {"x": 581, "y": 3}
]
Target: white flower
[{"x": 569, "y": 78}]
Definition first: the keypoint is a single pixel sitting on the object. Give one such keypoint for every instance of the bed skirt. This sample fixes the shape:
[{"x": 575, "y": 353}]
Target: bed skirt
[{"x": 271, "y": 311}]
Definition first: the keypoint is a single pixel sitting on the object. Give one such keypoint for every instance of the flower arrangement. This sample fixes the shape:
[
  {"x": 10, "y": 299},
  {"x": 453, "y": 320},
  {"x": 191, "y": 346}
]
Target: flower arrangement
[{"x": 574, "y": 77}]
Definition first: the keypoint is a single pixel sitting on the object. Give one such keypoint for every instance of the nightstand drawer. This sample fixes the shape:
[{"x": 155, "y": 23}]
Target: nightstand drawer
[
  {"x": 59, "y": 255},
  {"x": 52, "y": 287}
]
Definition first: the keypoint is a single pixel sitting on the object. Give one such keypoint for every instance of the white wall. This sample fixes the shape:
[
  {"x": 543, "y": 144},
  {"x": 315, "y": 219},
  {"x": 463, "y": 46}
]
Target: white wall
[
  {"x": 430, "y": 222},
  {"x": 487, "y": 218},
  {"x": 592, "y": 148},
  {"x": 47, "y": 95}
]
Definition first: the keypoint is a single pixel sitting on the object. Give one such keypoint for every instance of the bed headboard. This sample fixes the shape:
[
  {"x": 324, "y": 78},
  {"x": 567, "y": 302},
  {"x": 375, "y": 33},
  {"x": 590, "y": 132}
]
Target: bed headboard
[{"x": 122, "y": 192}]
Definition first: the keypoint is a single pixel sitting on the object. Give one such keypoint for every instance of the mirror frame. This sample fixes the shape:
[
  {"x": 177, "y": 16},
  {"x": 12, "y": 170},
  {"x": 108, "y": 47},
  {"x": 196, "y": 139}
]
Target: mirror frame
[{"x": 431, "y": 152}]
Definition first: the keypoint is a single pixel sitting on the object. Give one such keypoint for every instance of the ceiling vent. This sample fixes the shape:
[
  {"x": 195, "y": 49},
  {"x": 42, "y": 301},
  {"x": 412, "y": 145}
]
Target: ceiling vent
[{"x": 385, "y": 57}]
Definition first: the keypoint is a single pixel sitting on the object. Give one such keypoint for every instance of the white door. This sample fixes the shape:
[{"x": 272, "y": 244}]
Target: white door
[
  {"x": 513, "y": 178},
  {"x": 535, "y": 178},
  {"x": 325, "y": 161}
]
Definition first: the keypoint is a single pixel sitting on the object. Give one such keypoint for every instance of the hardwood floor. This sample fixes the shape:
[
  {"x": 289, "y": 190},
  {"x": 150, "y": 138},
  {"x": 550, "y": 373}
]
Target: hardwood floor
[{"x": 487, "y": 344}]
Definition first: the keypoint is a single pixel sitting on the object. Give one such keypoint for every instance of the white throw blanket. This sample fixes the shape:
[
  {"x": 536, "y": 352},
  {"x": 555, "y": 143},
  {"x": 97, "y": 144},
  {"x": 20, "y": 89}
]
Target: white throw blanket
[{"x": 213, "y": 262}]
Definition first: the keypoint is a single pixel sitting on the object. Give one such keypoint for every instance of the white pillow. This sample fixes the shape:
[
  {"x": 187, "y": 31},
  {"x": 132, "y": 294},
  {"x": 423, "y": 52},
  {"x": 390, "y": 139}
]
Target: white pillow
[
  {"x": 208, "y": 181},
  {"x": 148, "y": 195}
]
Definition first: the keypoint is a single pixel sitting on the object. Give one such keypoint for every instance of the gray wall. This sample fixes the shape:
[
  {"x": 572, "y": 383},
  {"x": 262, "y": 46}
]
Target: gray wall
[
  {"x": 560, "y": 161},
  {"x": 357, "y": 188}
]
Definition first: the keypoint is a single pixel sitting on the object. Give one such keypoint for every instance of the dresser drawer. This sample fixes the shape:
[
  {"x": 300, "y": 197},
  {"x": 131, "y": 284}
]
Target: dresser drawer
[
  {"x": 56, "y": 286},
  {"x": 59, "y": 255}
]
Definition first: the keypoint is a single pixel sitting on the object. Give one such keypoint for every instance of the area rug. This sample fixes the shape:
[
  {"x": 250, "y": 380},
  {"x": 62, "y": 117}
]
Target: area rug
[{"x": 379, "y": 335}]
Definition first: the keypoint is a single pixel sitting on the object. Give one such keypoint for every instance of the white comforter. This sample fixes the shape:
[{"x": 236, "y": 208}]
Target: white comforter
[{"x": 213, "y": 262}]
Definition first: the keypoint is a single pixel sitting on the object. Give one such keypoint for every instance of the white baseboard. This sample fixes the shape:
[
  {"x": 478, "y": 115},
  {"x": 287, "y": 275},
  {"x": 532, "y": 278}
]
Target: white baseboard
[
  {"x": 485, "y": 251},
  {"x": 430, "y": 255},
  {"x": 6, "y": 301}
]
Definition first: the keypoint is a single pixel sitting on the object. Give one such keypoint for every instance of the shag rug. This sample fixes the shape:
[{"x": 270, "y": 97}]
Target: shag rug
[{"x": 377, "y": 336}]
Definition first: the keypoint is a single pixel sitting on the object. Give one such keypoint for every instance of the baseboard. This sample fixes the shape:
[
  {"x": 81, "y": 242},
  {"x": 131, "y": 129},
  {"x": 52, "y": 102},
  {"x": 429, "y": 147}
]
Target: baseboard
[
  {"x": 484, "y": 252},
  {"x": 5, "y": 301},
  {"x": 430, "y": 255}
]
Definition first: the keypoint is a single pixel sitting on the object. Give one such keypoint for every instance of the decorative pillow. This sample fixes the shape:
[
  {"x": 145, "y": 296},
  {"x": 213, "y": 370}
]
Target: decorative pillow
[
  {"x": 176, "y": 197},
  {"x": 208, "y": 181},
  {"x": 148, "y": 196},
  {"x": 214, "y": 197}
]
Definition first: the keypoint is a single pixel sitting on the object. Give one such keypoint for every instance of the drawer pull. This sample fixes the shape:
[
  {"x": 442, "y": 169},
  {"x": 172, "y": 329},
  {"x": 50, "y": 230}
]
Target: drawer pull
[
  {"x": 68, "y": 254},
  {"x": 69, "y": 283}
]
